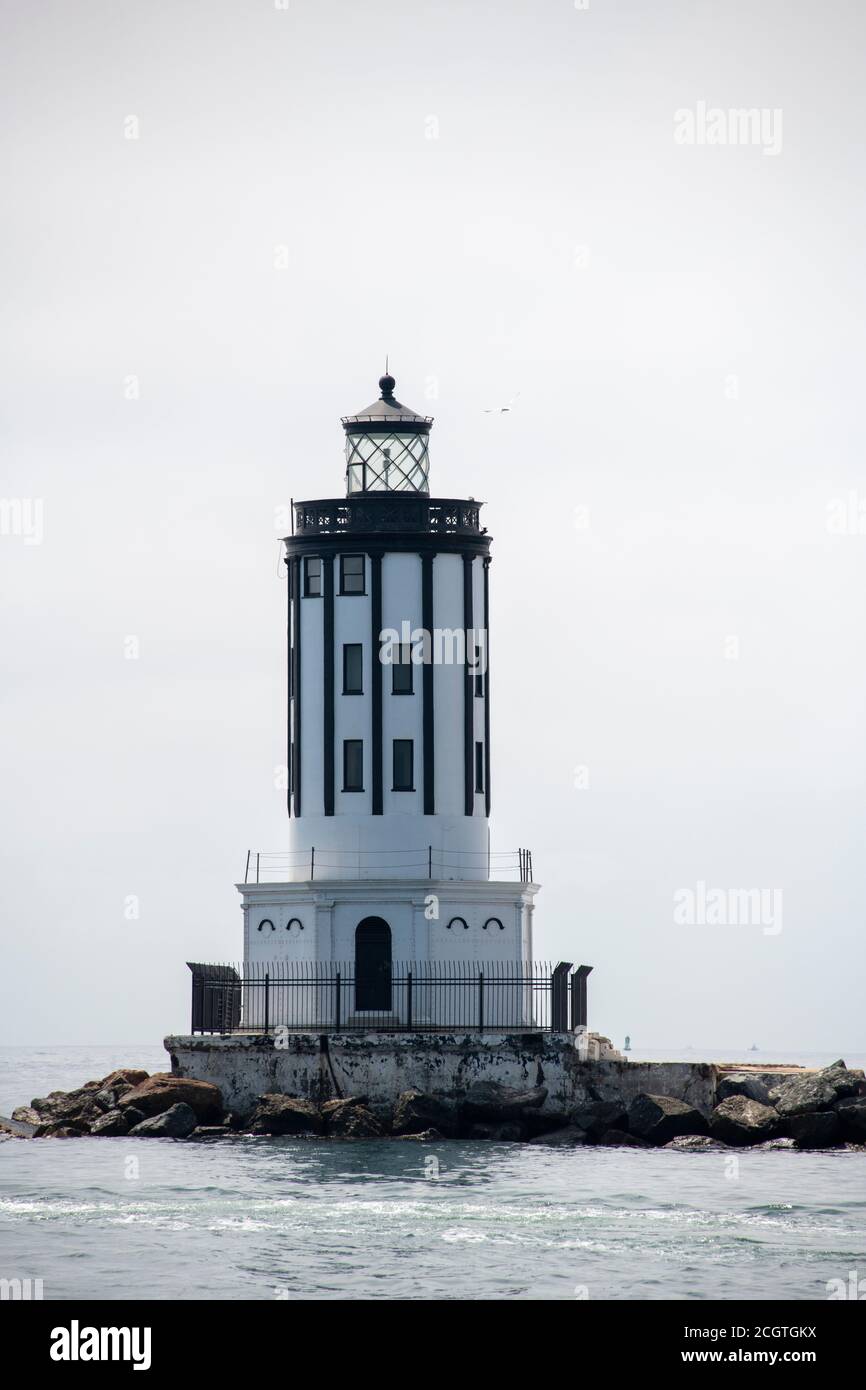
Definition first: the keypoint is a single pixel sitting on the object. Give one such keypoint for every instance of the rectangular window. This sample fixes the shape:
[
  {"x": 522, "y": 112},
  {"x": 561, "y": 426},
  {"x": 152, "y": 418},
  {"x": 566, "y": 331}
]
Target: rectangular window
[
  {"x": 478, "y": 675},
  {"x": 353, "y": 668},
  {"x": 312, "y": 577},
  {"x": 479, "y": 767},
  {"x": 404, "y": 770},
  {"x": 351, "y": 574},
  {"x": 401, "y": 671},
  {"x": 353, "y": 765}
]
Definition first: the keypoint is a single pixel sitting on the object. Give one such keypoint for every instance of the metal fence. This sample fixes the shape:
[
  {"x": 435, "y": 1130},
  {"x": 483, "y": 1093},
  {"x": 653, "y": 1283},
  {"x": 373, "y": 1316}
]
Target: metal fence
[
  {"x": 430, "y": 996},
  {"x": 309, "y": 865}
]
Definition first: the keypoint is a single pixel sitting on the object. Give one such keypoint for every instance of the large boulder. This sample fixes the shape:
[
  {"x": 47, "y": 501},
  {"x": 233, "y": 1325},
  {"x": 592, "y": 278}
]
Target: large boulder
[
  {"x": 658, "y": 1119},
  {"x": 161, "y": 1091},
  {"x": 566, "y": 1138},
  {"x": 695, "y": 1143},
  {"x": 846, "y": 1081},
  {"x": 802, "y": 1095},
  {"x": 351, "y": 1119},
  {"x": 18, "y": 1129},
  {"x": 490, "y": 1102},
  {"x": 819, "y": 1129},
  {"x": 279, "y": 1114},
  {"x": 620, "y": 1139},
  {"x": 46, "y": 1105},
  {"x": 739, "y": 1120},
  {"x": 111, "y": 1124},
  {"x": 852, "y": 1118},
  {"x": 175, "y": 1123},
  {"x": 124, "y": 1076},
  {"x": 741, "y": 1084},
  {"x": 496, "y": 1134},
  {"x": 599, "y": 1116},
  {"x": 417, "y": 1111},
  {"x": 69, "y": 1106},
  {"x": 26, "y": 1115}
]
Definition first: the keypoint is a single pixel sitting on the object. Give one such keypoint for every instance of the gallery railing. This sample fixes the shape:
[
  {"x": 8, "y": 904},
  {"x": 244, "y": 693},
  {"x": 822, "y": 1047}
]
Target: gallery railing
[
  {"x": 309, "y": 865},
  {"x": 430, "y": 996},
  {"x": 388, "y": 511}
]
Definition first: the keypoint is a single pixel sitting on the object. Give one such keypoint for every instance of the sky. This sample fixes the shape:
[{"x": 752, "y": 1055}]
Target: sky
[{"x": 219, "y": 219}]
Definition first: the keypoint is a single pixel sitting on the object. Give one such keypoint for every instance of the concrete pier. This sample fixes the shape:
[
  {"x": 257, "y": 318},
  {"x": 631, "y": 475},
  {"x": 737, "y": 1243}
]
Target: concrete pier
[{"x": 381, "y": 1065}]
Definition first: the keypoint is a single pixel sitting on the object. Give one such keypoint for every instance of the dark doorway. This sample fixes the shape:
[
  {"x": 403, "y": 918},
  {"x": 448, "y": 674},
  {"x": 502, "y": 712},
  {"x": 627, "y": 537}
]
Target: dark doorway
[{"x": 373, "y": 965}]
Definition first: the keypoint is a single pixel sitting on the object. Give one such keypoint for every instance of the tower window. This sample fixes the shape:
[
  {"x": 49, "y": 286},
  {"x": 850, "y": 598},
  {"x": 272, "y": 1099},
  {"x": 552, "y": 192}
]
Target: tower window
[
  {"x": 404, "y": 769},
  {"x": 479, "y": 767},
  {"x": 401, "y": 671},
  {"x": 478, "y": 675},
  {"x": 353, "y": 668},
  {"x": 351, "y": 574},
  {"x": 353, "y": 765},
  {"x": 312, "y": 577}
]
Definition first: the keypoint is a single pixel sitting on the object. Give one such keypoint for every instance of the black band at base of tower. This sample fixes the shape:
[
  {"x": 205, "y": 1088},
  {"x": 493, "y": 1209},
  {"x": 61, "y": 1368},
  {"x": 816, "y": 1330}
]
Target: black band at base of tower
[
  {"x": 376, "y": 677},
  {"x": 427, "y": 708},
  {"x": 468, "y": 692},
  {"x": 328, "y": 682}
]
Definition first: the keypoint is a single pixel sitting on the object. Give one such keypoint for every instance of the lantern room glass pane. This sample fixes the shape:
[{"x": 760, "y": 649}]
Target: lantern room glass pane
[{"x": 387, "y": 462}]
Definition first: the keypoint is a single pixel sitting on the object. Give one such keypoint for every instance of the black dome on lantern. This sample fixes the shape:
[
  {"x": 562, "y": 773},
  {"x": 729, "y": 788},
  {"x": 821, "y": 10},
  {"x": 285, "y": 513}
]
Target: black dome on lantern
[{"x": 387, "y": 412}]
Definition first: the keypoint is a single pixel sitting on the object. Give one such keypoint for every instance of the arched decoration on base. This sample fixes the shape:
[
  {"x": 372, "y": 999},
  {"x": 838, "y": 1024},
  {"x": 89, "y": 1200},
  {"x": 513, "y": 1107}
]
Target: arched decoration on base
[{"x": 373, "y": 965}]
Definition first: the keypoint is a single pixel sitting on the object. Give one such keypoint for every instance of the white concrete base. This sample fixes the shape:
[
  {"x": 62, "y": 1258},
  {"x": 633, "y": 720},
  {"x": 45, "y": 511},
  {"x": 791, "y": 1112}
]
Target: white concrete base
[{"x": 381, "y": 1065}]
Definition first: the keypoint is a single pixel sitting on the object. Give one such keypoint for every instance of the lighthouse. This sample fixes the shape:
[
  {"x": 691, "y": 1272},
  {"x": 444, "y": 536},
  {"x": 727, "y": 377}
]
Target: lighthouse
[{"x": 390, "y": 775}]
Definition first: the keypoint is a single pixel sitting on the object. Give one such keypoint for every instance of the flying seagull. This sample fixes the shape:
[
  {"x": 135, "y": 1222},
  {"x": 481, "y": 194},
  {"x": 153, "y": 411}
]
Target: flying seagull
[{"x": 501, "y": 409}]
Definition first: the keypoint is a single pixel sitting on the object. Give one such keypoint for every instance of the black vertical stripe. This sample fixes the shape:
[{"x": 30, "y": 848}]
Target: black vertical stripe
[
  {"x": 328, "y": 680},
  {"x": 376, "y": 677},
  {"x": 486, "y": 687},
  {"x": 468, "y": 692},
  {"x": 427, "y": 713},
  {"x": 295, "y": 733}
]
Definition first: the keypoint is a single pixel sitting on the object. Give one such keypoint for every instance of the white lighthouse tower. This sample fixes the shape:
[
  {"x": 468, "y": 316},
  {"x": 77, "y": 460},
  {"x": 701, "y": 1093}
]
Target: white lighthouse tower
[{"x": 389, "y": 789}]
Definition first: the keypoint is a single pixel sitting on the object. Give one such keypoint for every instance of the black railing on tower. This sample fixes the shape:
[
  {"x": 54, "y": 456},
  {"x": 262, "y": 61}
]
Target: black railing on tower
[
  {"x": 308, "y": 865},
  {"x": 378, "y": 512},
  {"x": 429, "y": 996}
]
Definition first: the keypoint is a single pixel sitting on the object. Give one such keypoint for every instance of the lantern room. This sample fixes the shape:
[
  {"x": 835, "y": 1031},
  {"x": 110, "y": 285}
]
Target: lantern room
[{"x": 386, "y": 446}]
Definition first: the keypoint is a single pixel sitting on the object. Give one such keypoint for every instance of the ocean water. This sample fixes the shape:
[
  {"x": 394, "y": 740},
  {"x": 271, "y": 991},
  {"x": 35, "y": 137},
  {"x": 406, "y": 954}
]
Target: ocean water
[{"x": 286, "y": 1218}]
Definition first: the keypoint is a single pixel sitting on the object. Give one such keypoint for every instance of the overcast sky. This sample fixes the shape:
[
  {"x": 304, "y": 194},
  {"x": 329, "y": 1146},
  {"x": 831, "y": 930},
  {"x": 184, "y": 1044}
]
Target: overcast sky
[{"x": 219, "y": 218}]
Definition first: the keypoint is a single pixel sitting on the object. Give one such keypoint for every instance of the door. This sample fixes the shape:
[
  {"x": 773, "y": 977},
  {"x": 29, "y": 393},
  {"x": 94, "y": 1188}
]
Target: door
[{"x": 373, "y": 965}]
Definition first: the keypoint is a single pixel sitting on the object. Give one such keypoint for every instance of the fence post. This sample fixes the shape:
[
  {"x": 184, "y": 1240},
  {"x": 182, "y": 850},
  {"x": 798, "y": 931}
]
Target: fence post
[
  {"x": 409, "y": 999},
  {"x": 481, "y": 1001},
  {"x": 258, "y": 856},
  {"x": 578, "y": 997},
  {"x": 429, "y": 861},
  {"x": 247, "y": 869},
  {"x": 337, "y": 1002},
  {"x": 559, "y": 997},
  {"x": 267, "y": 1001}
]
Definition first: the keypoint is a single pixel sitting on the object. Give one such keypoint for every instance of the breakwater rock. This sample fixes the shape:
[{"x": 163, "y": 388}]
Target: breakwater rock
[{"x": 822, "y": 1109}]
